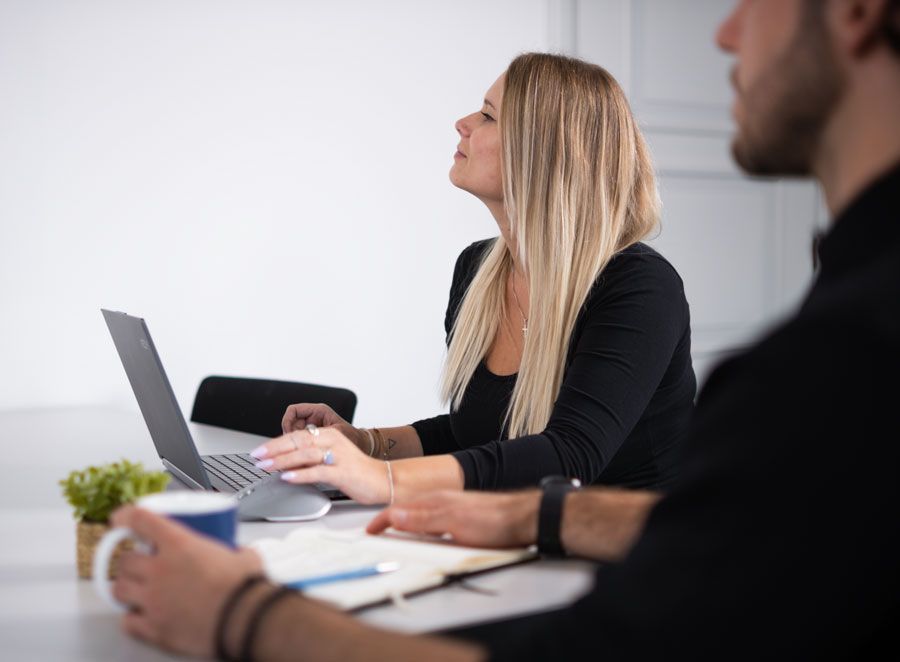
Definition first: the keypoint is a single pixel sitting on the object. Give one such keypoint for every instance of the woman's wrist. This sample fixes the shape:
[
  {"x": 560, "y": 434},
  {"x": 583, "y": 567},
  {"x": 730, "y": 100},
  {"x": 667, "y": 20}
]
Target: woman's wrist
[
  {"x": 380, "y": 478},
  {"x": 370, "y": 450},
  {"x": 382, "y": 446},
  {"x": 359, "y": 437},
  {"x": 371, "y": 441}
]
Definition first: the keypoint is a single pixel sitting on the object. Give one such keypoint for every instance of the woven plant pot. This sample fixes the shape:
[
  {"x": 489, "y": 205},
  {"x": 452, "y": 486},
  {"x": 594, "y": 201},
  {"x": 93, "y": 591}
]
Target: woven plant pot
[{"x": 87, "y": 537}]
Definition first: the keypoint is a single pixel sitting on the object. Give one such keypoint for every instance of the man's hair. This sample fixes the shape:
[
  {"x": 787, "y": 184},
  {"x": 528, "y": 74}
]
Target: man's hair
[{"x": 892, "y": 25}]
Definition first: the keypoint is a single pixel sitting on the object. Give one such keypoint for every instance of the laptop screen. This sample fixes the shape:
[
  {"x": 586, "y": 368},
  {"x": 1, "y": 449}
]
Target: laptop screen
[{"x": 154, "y": 394}]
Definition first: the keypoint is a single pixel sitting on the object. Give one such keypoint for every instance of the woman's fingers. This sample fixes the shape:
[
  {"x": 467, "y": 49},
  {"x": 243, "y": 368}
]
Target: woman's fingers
[
  {"x": 293, "y": 418},
  {"x": 303, "y": 457},
  {"x": 298, "y": 416},
  {"x": 287, "y": 443},
  {"x": 319, "y": 473},
  {"x": 329, "y": 457},
  {"x": 300, "y": 448}
]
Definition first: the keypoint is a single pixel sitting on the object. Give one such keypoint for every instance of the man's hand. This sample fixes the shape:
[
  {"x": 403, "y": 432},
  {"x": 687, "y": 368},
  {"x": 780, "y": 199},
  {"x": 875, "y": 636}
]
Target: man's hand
[
  {"x": 176, "y": 593},
  {"x": 477, "y": 519},
  {"x": 598, "y": 523}
]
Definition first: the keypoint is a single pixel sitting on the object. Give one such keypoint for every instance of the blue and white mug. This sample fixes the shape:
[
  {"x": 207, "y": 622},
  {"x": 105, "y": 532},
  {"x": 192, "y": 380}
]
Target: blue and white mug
[{"x": 209, "y": 513}]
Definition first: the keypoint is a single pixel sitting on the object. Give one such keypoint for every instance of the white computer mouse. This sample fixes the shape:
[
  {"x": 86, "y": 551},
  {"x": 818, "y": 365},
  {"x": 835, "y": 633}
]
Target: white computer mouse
[{"x": 275, "y": 500}]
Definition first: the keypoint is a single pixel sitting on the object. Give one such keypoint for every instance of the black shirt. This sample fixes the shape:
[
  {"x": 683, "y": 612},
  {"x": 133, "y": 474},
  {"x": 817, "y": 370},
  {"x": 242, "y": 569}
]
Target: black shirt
[
  {"x": 626, "y": 397},
  {"x": 781, "y": 540}
]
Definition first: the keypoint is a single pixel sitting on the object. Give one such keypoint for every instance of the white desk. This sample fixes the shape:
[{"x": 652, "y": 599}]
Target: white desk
[{"x": 47, "y": 613}]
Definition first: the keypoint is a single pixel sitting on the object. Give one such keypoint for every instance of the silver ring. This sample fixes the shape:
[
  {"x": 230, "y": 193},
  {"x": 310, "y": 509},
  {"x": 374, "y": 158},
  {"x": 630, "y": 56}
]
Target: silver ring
[
  {"x": 294, "y": 441},
  {"x": 328, "y": 458},
  {"x": 312, "y": 429}
]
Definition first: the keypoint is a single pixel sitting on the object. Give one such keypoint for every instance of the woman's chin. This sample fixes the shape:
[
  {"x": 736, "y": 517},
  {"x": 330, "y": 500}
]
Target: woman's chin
[{"x": 455, "y": 179}]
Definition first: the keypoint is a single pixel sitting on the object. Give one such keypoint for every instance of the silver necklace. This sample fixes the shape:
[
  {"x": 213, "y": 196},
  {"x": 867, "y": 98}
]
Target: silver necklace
[{"x": 521, "y": 311}]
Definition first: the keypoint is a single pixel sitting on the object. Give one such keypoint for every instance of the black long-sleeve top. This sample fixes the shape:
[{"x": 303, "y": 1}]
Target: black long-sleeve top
[
  {"x": 626, "y": 396},
  {"x": 781, "y": 539}
]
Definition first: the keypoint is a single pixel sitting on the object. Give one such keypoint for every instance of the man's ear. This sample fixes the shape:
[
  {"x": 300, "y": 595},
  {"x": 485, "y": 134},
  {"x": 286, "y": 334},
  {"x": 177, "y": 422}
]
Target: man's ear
[{"x": 858, "y": 25}]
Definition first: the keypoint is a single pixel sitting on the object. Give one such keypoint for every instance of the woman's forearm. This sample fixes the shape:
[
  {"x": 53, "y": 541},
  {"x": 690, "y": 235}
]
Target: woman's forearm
[{"x": 397, "y": 443}]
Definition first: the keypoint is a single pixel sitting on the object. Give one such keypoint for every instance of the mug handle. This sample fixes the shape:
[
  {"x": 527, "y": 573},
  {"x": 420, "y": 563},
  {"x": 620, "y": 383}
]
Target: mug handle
[{"x": 102, "y": 555}]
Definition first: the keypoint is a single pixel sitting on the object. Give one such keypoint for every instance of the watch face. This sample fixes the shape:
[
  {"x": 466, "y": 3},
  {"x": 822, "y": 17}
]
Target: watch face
[{"x": 559, "y": 480}]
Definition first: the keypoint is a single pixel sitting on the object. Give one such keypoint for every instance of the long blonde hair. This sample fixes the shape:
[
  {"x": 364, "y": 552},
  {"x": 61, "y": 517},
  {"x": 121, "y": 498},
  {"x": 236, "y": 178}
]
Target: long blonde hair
[{"x": 578, "y": 187}]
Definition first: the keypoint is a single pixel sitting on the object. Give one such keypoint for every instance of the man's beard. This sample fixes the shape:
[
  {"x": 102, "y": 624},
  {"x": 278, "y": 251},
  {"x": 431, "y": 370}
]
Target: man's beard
[{"x": 787, "y": 107}]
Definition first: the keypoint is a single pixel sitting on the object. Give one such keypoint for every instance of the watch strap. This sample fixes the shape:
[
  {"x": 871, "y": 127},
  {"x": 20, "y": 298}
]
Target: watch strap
[{"x": 550, "y": 517}]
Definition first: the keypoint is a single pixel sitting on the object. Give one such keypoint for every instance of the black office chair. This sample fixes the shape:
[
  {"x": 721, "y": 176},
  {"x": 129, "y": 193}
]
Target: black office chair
[{"x": 258, "y": 405}]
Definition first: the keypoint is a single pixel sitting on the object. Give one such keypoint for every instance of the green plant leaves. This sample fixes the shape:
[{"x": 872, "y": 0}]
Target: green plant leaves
[{"x": 95, "y": 492}]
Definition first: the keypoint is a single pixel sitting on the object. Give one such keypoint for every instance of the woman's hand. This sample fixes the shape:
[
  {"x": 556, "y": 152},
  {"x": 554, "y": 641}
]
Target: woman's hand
[
  {"x": 326, "y": 455},
  {"x": 176, "y": 593},
  {"x": 478, "y": 519},
  {"x": 298, "y": 416}
]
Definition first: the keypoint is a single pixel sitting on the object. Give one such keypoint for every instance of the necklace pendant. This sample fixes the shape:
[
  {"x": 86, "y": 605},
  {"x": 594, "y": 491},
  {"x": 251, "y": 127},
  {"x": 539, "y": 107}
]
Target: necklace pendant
[{"x": 525, "y": 330}]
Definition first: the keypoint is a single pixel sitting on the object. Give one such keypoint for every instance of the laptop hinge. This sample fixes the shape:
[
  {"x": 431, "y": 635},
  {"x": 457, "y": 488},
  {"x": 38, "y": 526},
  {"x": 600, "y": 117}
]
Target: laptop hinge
[{"x": 180, "y": 475}]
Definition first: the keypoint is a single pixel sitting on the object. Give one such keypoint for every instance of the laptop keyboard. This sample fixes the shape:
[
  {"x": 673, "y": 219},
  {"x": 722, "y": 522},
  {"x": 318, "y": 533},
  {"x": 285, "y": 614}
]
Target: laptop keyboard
[{"x": 236, "y": 470}]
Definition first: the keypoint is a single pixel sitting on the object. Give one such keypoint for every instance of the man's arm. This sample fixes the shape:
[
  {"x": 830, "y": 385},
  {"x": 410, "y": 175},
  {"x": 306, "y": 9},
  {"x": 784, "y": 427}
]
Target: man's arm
[
  {"x": 598, "y": 523},
  {"x": 604, "y": 523},
  {"x": 176, "y": 596},
  {"x": 297, "y": 628}
]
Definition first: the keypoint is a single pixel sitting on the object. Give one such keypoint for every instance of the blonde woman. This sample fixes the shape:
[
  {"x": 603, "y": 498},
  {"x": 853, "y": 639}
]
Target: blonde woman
[{"x": 568, "y": 339}]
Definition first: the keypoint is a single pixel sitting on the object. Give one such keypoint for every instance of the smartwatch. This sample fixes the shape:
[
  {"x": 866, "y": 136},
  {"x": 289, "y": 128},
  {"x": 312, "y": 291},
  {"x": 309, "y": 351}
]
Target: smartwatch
[{"x": 555, "y": 489}]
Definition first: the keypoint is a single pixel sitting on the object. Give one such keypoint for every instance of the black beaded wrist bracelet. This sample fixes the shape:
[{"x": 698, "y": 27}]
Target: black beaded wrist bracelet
[
  {"x": 261, "y": 609},
  {"x": 225, "y": 614}
]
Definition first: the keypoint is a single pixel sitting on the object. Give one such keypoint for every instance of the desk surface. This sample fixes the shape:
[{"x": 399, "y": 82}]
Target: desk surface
[{"x": 47, "y": 613}]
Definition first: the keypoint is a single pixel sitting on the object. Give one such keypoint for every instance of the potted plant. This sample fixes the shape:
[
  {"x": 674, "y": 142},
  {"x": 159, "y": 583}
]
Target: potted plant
[{"x": 95, "y": 492}]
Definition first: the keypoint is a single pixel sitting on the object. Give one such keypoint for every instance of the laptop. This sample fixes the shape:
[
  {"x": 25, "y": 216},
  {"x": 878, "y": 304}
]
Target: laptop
[{"x": 231, "y": 473}]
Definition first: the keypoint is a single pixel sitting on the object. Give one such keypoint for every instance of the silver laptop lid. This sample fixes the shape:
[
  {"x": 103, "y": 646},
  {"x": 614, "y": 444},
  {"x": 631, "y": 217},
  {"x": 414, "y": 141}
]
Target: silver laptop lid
[{"x": 155, "y": 397}]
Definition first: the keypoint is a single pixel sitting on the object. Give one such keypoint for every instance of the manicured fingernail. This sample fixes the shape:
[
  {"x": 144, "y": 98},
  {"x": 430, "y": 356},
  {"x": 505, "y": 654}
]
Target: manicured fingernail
[
  {"x": 259, "y": 451},
  {"x": 264, "y": 464},
  {"x": 287, "y": 475}
]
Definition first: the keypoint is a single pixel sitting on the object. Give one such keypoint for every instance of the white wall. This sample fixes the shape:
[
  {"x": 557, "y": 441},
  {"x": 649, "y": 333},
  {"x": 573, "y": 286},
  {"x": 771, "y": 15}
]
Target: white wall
[
  {"x": 266, "y": 182},
  {"x": 742, "y": 245}
]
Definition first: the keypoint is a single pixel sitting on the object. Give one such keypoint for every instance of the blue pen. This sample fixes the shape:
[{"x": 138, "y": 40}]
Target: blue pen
[{"x": 358, "y": 573}]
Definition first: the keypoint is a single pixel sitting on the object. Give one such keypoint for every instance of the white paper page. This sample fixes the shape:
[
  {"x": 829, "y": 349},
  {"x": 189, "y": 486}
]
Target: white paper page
[{"x": 305, "y": 553}]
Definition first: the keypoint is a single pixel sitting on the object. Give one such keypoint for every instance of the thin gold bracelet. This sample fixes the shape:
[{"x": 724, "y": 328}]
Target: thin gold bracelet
[{"x": 390, "y": 482}]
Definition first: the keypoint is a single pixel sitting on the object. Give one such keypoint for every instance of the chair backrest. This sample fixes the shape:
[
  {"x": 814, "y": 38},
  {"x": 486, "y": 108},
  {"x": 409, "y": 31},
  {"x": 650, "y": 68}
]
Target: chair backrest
[{"x": 258, "y": 405}]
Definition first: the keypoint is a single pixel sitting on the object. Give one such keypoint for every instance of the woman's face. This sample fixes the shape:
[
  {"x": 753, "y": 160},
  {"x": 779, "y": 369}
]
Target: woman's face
[{"x": 476, "y": 164}]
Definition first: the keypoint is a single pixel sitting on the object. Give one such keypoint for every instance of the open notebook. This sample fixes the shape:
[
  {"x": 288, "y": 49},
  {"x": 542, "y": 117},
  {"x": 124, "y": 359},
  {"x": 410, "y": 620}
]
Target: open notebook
[{"x": 423, "y": 563}]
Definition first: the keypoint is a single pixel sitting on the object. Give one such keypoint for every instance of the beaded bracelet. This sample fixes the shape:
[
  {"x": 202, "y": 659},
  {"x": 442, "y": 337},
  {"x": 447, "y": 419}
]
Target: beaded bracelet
[
  {"x": 227, "y": 609},
  {"x": 261, "y": 609}
]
